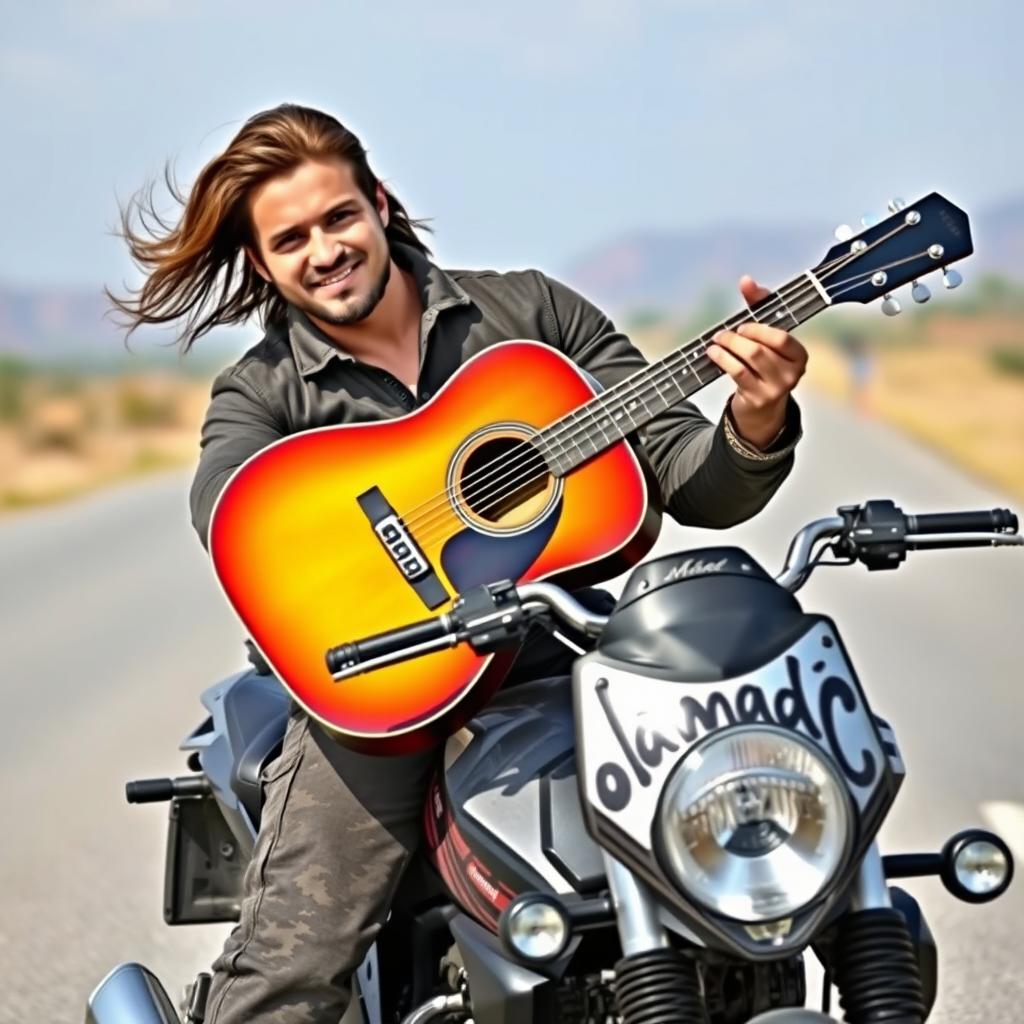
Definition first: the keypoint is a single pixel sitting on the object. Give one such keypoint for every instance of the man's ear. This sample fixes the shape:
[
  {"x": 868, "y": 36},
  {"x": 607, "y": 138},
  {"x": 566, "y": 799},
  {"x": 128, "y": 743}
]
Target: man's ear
[
  {"x": 257, "y": 263},
  {"x": 382, "y": 205}
]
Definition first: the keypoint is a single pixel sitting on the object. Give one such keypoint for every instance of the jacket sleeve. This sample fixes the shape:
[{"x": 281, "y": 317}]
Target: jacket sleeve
[
  {"x": 708, "y": 475},
  {"x": 239, "y": 422}
]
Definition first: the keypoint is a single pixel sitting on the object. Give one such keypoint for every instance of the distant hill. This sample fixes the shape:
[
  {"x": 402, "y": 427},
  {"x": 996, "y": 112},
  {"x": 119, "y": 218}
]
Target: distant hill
[
  {"x": 36, "y": 322},
  {"x": 674, "y": 270},
  {"x": 71, "y": 325}
]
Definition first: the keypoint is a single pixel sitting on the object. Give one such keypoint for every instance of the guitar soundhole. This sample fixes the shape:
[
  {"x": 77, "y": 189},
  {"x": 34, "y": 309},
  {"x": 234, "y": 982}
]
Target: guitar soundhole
[{"x": 503, "y": 482}]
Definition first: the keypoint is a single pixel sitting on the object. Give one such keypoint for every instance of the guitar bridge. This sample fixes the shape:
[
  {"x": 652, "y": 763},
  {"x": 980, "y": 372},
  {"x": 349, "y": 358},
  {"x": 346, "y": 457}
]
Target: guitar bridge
[{"x": 402, "y": 549}]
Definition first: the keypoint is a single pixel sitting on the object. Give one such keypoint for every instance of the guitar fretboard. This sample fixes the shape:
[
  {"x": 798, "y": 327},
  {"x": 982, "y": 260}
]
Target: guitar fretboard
[{"x": 635, "y": 401}]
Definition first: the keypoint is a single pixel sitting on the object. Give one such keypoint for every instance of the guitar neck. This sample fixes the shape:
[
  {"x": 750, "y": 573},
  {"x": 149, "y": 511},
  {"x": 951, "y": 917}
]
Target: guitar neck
[{"x": 635, "y": 401}]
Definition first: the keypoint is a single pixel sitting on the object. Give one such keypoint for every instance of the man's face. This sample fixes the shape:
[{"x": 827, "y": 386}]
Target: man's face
[{"x": 321, "y": 242}]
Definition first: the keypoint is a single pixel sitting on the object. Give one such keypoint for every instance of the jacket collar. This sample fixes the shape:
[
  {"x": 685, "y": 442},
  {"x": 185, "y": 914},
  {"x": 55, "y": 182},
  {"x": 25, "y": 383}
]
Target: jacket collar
[{"x": 313, "y": 349}]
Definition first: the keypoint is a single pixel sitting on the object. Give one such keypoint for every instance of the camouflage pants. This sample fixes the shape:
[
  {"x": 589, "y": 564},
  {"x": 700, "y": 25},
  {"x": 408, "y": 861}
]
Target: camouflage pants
[{"x": 338, "y": 828}]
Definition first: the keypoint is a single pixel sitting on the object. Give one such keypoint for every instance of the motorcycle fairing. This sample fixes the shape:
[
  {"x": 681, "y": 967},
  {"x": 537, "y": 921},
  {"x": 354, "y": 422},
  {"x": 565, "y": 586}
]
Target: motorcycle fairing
[
  {"x": 635, "y": 726},
  {"x": 507, "y": 817},
  {"x": 248, "y": 713},
  {"x": 468, "y": 877}
]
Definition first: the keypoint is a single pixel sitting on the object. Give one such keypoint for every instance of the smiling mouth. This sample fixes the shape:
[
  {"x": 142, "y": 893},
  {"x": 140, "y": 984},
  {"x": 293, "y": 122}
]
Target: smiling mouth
[{"x": 335, "y": 278}]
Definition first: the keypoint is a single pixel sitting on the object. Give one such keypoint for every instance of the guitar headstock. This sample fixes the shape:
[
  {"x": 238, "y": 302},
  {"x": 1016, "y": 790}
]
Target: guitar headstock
[{"x": 916, "y": 239}]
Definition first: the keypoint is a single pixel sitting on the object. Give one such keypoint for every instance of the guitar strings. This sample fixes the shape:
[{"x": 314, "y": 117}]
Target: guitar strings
[
  {"x": 528, "y": 453},
  {"x": 644, "y": 383},
  {"x": 706, "y": 364},
  {"x": 668, "y": 374},
  {"x": 533, "y": 454},
  {"x": 571, "y": 423},
  {"x": 665, "y": 370},
  {"x": 508, "y": 484},
  {"x": 526, "y": 456},
  {"x": 665, "y": 373}
]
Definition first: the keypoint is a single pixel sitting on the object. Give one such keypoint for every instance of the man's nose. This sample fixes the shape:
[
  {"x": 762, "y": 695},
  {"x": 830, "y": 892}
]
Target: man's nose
[{"x": 323, "y": 250}]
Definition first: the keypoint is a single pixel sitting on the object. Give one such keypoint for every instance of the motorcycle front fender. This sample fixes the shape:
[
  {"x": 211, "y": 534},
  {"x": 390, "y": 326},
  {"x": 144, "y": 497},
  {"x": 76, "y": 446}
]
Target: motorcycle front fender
[{"x": 130, "y": 994}]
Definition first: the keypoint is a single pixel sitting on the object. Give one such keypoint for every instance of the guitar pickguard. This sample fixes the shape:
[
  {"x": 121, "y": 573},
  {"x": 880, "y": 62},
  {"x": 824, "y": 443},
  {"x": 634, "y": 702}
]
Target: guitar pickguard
[{"x": 470, "y": 559}]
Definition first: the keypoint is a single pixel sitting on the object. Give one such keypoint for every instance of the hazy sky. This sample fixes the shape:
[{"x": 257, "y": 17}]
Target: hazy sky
[{"x": 529, "y": 130}]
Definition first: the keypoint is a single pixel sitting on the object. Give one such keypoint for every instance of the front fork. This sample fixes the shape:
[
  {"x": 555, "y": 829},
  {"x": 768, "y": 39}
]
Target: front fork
[
  {"x": 874, "y": 961},
  {"x": 653, "y": 981},
  {"x": 640, "y": 927},
  {"x": 875, "y": 957},
  {"x": 870, "y": 890}
]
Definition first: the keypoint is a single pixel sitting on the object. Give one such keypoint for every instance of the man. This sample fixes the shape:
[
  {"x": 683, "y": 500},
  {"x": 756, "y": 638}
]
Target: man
[{"x": 290, "y": 223}]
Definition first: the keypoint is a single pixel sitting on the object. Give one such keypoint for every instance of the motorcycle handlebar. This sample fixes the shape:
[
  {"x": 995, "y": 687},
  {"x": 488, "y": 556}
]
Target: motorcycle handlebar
[
  {"x": 879, "y": 534},
  {"x": 999, "y": 520},
  {"x": 390, "y": 646},
  {"x": 876, "y": 533},
  {"x": 490, "y": 617}
]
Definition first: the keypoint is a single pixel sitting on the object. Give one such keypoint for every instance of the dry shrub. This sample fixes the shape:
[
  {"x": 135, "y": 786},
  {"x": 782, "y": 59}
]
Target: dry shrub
[{"x": 144, "y": 405}]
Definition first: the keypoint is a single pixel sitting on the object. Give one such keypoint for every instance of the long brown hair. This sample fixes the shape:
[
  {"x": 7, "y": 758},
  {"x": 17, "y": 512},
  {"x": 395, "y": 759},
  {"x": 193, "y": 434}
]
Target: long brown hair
[{"x": 196, "y": 268}]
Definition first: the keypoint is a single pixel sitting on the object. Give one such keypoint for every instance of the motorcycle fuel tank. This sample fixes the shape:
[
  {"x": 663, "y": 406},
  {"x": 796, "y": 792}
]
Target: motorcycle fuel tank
[{"x": 505, "y": 818}]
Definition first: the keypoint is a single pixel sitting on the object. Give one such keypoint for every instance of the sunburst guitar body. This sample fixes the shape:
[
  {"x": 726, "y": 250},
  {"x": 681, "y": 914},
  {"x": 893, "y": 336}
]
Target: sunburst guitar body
[{"x": 345, "y": 531}]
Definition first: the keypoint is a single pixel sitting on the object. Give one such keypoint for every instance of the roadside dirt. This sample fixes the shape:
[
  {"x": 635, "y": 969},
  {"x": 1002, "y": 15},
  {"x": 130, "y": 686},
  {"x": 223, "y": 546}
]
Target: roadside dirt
[{"x": 935, "y": 380}]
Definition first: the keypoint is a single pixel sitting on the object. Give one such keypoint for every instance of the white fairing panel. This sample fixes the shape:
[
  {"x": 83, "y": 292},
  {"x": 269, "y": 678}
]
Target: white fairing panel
[{"x": 634, "y": 729}]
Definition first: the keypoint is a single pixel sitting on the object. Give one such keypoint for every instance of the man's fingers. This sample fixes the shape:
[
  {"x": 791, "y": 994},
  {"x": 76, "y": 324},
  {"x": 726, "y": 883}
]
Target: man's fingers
[
  {"x": 757, "y": 392},
  {"x": 751, "y": 291},
  {"x": 759, "y": 357},
  {"x": 764, "y": 363},
  {"x": 774, "y": 338},
  {"x": 721, "y": 356}
]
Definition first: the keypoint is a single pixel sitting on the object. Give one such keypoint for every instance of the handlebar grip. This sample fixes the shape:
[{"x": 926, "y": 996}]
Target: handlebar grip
[
  {"x": 382, "y": 645},
  {"x": 148, "y": 791},
  {"x": 154, "y": 791},
  {"x": 998, "y": 519}
]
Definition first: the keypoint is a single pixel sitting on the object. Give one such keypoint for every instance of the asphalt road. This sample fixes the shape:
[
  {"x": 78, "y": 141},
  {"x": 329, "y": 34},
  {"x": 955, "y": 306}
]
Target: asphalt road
[{"x": 111, "y": 625}]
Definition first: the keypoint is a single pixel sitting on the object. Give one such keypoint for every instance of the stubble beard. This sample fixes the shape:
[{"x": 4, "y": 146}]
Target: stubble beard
[{"x": 360, "y": 308}]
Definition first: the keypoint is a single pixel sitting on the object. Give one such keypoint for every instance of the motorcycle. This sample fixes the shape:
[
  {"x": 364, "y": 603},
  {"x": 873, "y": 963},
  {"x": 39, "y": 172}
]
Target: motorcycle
[{"x": 666, "y": 841}]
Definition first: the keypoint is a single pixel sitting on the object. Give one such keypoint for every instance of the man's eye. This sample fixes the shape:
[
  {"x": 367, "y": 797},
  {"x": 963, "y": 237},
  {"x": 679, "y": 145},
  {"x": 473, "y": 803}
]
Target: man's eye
[{"x": 340, "y": 215}]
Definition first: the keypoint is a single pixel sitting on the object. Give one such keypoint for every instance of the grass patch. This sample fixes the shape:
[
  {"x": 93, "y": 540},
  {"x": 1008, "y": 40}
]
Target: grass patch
[{"x": 1008, "y": 359}]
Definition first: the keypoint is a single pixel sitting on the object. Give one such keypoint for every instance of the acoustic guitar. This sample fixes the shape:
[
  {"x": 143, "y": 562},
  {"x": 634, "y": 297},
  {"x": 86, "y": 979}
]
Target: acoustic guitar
[{"x": 516, "y": 469}]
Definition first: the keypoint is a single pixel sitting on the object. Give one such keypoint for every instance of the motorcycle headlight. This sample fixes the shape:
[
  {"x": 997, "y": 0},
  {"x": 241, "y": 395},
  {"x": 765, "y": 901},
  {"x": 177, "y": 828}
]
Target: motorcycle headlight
[{"x": 754, "y": 823}]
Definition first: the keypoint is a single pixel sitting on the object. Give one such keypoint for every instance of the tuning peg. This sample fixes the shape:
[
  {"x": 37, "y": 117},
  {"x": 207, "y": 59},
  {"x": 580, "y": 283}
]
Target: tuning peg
[
  {"x": 896, "y": 204},
  {"x": 951, "y": 278},
  {"x": 869, "y": 220},
  {"x": 844, "y": 233},
  {"x": 890, "y": 306},
  {"x": 920, "y": 292}
]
